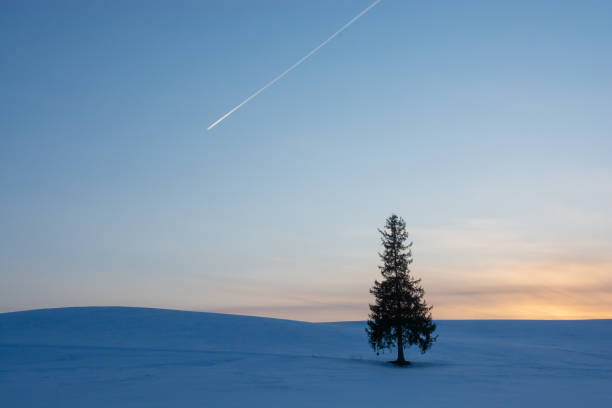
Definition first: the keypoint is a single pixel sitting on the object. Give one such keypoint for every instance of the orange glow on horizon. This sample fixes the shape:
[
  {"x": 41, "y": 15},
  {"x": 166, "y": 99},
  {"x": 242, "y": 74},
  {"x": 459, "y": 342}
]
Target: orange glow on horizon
[{"x": 525, "y": 291}]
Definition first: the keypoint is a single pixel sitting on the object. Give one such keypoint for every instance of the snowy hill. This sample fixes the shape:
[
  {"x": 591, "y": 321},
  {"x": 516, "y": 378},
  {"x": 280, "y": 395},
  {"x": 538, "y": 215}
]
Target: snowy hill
[{"x": 133, "y": 357}]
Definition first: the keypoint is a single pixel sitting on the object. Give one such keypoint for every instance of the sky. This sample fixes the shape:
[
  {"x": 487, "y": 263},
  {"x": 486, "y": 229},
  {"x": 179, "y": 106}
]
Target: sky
[{"x": 486, "y": 125}]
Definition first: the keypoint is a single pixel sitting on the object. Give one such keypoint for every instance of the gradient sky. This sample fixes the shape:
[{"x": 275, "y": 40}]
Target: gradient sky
[{"x": 486, "y": 125}]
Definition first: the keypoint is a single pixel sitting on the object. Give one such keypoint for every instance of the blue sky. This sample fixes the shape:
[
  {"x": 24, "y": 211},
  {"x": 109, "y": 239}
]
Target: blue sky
[{"x": 486, "y": 125}]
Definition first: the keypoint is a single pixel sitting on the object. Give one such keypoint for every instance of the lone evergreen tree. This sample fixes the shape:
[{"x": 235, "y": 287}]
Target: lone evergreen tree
[{"x": 400, "y": 317}]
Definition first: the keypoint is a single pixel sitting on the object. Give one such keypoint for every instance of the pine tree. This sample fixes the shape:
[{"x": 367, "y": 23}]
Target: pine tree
[{"x": 400, "y": 317}]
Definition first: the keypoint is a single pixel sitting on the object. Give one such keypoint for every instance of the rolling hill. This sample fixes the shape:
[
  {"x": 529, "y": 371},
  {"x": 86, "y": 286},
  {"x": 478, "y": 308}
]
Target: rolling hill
[{"x": 137, "y": 357}]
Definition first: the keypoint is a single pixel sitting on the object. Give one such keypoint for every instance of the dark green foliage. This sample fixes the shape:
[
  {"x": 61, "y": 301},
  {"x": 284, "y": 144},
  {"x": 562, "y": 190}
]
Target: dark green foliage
[{"x": 400, "y": 317}]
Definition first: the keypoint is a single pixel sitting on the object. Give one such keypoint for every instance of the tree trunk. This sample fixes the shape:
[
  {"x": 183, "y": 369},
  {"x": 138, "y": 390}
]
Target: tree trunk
[{"x": 400, "y": 348}]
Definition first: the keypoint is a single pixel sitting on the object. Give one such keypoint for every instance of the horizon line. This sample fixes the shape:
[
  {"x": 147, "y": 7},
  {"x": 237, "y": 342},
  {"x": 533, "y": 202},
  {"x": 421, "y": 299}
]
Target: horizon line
[{"x": 289, "y": 319}]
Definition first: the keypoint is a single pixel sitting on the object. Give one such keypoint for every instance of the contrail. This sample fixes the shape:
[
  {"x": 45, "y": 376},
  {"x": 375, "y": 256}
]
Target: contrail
[{"x": 291, "y": 68}]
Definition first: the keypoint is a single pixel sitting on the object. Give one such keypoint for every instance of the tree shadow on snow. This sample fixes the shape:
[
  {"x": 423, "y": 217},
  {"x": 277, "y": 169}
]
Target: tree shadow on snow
[{"x": 414, "y": 365}]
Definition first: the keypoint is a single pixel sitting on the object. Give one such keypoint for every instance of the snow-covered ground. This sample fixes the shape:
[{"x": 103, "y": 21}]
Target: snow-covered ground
[{"x": 132, "y": 357}]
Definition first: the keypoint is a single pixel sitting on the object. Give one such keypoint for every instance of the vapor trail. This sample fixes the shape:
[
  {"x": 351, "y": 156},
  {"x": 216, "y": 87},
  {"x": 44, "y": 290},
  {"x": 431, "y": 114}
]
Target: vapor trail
[{"x": 291, "y": 68}]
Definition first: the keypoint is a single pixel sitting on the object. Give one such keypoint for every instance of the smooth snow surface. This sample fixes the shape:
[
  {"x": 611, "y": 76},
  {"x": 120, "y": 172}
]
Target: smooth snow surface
[{"x": 131, "y": 357}]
